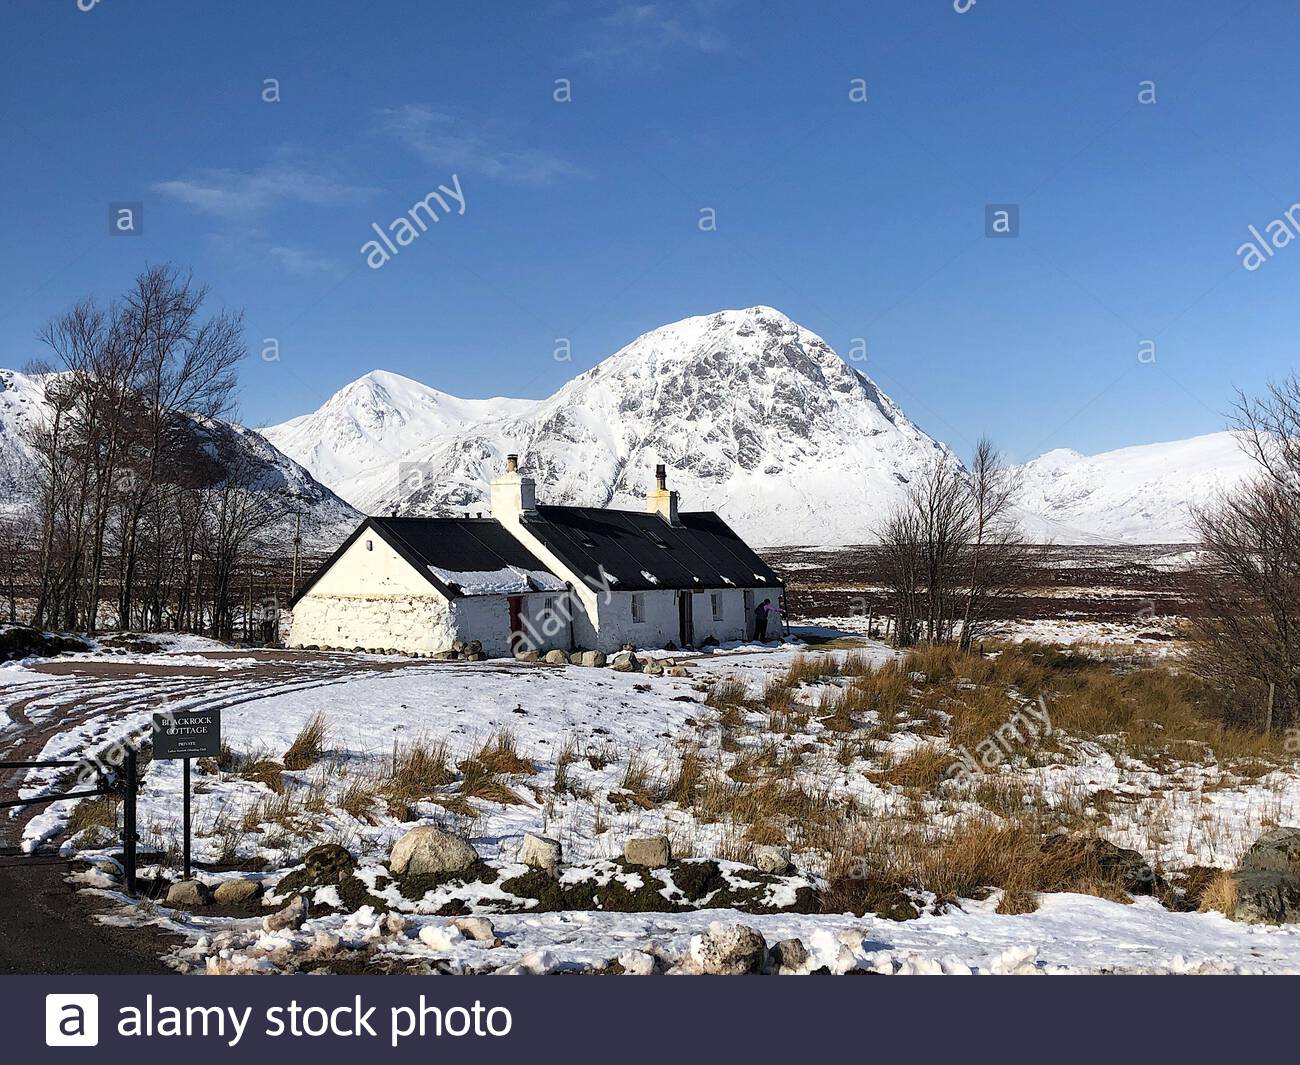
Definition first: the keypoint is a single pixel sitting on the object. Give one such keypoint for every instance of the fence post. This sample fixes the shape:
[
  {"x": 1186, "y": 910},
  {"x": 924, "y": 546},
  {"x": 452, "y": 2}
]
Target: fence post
[
  {"x": 1268, "y": 723},
  {"x": 128, "y": 821}
]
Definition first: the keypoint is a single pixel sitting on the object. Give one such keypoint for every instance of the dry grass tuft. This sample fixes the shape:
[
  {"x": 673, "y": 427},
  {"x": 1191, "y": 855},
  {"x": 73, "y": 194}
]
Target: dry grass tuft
[
  {"x": 308, "y": 745},
  {"x": 1220, "y": 895}
]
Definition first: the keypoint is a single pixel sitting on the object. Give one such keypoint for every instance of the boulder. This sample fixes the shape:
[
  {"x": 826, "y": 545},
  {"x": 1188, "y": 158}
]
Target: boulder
[
  {"x": 541, "y": 852},
  {"x": 678, "y": 671},
  {"x": 328, "y": 864},
  {"x": 772, "y": 859},
  {"x": 474, "y": 647},
  {"x": 789, "y": 956},
  {"x": 425, "y": 849},
  {"x": 1274, "y": 852},
  {"x": 653, "y": 852},
  {"x": 593, "y": 658},
  {"x": 445, "y": 656},
  {"x": 528, "y": 656},
  {"x": 188, "y": 893},
  {"x": 237, "y": 892},
  {"x": 1267, "y": 896},
  {"x": 292, "y": 916},
  {"x": 458, "y": 645},
  {"x": 729, "y": 950},
  {"x": 1127, "y": 866},
  {"x": 478, "y": 929},
  {"x": 625, "y": 662},
  {"x": 654, "y": 668},
  {"x": 556, "y": 658}
]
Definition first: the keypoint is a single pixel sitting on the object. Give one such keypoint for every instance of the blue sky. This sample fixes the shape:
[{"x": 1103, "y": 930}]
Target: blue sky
[{"x": 581, "y": 221}]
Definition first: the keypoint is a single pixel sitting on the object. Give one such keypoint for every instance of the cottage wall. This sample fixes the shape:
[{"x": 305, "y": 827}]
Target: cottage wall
[{"x": 371, "y": 597}]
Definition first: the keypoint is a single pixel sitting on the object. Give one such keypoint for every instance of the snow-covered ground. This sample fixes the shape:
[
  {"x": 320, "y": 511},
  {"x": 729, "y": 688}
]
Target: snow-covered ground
[{"x": 598, "y": 722}]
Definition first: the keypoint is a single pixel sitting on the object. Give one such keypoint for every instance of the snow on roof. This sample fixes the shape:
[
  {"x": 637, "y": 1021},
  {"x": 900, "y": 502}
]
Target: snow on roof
[{"x": 506, "y": 581}]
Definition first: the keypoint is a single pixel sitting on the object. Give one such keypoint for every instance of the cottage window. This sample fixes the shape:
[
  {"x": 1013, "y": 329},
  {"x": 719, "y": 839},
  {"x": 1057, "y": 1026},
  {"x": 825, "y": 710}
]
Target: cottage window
[
  {"x": 370, "y": 545},
  {"x": 638, "y": 608},
  {"x": 716, "y": 600}
]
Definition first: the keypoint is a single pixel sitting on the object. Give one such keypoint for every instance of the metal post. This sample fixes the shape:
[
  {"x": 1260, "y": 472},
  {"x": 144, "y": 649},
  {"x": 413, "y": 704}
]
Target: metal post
[
  {"x": 128, "y": 821},
  {"x": 186, "y": 763}
]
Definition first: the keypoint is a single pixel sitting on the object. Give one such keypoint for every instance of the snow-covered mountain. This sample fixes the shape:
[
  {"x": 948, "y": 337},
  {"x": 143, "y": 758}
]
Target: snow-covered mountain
[
  {"x": 326, "y": 517},
  {"x": 755, "y": 416},
  {"x": 1135, "y": 494}
]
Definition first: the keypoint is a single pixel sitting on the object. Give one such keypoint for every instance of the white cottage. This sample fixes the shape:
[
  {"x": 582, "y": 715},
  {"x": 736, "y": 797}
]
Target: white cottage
[{"x": 538, "y": 577}]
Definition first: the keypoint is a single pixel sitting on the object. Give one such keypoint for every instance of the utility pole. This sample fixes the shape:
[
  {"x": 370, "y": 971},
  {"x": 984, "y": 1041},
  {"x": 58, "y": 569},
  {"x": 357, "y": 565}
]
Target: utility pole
[{"x": 297, "y": 540}]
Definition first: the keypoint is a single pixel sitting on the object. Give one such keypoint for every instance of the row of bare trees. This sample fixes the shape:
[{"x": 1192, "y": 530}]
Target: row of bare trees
[
  {"x": 953, "y": 551},
  {"x": 141, "y": 520}
]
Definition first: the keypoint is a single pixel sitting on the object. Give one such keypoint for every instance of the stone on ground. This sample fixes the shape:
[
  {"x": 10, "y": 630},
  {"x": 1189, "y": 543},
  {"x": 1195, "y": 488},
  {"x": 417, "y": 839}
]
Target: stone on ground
[
  {"x": 238, "y": 891},
  {"x": 772, "y": 859},
  {"x": 425, "y": 849},
  {"x": 556, "y": 657},
  {"x": 328, "y": 863},
  {"x": 292, "y": 916},
  {"x": 653, "y": 852},
  {"x": 187, "y": 893},
  {"x": 729, "y": 950},
  {"x": 479, "y": 929},
  {"x": 541, "y": 852}
]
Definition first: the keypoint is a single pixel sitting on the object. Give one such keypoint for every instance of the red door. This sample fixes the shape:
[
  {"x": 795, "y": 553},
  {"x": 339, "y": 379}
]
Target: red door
[
  {"x": 686, "y": 618},
  {"x": 516, "y": 623}
]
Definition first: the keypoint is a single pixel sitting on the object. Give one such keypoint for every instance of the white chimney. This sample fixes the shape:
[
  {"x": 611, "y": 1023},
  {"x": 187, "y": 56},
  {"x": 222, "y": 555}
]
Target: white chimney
[
  {"x": 513, "y": 494},
  {"x": 661, "y": 501}
]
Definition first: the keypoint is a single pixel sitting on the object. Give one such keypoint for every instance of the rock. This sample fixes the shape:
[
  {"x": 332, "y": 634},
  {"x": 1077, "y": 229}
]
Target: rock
[
  {"x": 445, "y": 656},
  {"x": 541, "y": 852},
  {"x": 478, "y": 929},
  {"x": 458, "y": 645},
  {"x": 188, "y": 893},
  {"x": 328, "y": 864},
  {"x": 654, "y": 669},
  {"x": 556, "y": 658},
  {"x": 594, "y": 659},
  {"x": 1267, "y": 896},
  {"x": 1276, "y": 852},
  {"x": 440, "y": 937},
  {"x": 292, "y": 916},
  {"x": 474, "y": 647},
  {"x": 653, "y": 852},
  {"x": 679, "y": 671},
  {"x": 625, "y": 662},
  {"x": 528, "y": 656},
  {"x": 425, "y": 849},
  {"x": 394, "y": 924},
  {"x": 729, "y": 950},
  {"x": 1127, "y": 866},
  {"x": 709, "y": 641},
  {"x": 670, "y": 646},
  {"x": 789, "y": 956},
  {"x": 771, "y": 859},
  {"x": 475, "y": 656},
  {"x": 237, "y": 892},
  {"x": 637, "y": 963}
]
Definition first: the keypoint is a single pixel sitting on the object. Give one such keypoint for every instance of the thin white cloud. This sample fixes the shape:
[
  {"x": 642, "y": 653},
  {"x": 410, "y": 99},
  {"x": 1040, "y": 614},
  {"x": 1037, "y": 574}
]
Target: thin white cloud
[
  {"x": 652, "y": 31},
  {"x": 243, "y": 194},
  {"x": 451, "y": 143},
  {"x": 302, "y": 262}
]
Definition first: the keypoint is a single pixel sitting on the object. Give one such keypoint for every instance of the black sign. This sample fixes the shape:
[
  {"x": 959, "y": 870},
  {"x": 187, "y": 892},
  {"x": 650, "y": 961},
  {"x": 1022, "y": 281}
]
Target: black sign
[{"x": 187, "y": 734}]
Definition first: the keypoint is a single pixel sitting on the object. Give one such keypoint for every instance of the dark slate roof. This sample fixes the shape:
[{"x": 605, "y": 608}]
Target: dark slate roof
[
  {"x": 460, "y": 545},
  {"x": 641, "y": 551}
]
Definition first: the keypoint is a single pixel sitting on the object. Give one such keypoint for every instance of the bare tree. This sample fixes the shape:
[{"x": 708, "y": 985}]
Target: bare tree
[
  {"x": 952, "y": 549},
  {"x": 1248, "y": 591}
]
